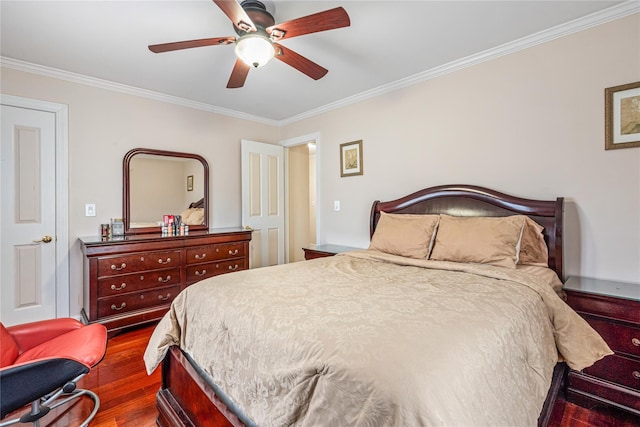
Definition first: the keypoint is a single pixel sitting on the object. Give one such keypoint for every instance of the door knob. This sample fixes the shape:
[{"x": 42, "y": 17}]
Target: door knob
[{"x": 45, "y": 239}]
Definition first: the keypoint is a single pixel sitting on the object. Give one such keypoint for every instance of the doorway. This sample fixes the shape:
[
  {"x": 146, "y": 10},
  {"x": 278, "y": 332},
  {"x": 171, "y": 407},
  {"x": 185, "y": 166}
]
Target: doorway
[{"x": 301, "y": 190}]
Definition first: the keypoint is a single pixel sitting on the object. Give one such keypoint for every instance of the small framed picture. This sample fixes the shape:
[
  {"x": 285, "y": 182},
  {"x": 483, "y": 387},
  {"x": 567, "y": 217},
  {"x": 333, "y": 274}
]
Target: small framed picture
[
  {"x": 622, "y": 116},
  {"x": 190, "y": 183},
  {"x": 351, "y": 158}
]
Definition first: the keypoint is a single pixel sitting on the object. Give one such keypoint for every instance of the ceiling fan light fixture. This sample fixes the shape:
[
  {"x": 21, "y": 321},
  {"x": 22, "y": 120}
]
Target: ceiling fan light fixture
[
  {"x": 255, "y": 50},
  {"x": 258, "y": 37}
]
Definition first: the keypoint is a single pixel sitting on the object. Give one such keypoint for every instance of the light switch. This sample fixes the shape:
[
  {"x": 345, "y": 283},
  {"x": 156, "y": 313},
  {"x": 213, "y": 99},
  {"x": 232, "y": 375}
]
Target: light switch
[
  {"x": 336, "y": 205},
  {"x": 90, "y": 209}
]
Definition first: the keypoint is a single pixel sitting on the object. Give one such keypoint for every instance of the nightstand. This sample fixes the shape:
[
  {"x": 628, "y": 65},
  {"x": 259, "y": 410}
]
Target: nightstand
[
  {"x": 613, "y": 309},
  {"x": 320, "y": 251}
]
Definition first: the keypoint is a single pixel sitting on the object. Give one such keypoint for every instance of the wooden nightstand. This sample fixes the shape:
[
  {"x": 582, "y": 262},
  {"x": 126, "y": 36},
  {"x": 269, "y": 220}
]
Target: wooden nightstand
[
  {"x": 612, "y": 309},
  {"x": 320, "y": 251}
]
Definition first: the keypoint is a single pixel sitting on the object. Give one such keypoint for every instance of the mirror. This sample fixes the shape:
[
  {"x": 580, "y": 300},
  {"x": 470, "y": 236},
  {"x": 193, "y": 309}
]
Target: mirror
[{"x": 158, "y": 183}]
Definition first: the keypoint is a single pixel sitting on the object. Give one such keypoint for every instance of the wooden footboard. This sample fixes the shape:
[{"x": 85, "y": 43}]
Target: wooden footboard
[{"x": 186, "y": 400}]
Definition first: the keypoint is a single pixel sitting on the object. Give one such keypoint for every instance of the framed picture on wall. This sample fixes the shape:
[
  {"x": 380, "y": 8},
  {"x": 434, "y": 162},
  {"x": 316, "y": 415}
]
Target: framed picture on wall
[
  {"x": 351, "y": 158},
  {"x": 190, "y": 183},
  {"x": 622, "y": 116}
]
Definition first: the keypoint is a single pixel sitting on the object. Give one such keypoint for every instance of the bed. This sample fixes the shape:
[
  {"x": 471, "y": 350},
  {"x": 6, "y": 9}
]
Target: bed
[{"x": 404, "y": 333}]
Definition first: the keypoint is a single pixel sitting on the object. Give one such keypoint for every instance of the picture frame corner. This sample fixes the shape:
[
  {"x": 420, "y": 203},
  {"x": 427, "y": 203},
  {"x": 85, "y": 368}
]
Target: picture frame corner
[{"x": 622, "y": 116}]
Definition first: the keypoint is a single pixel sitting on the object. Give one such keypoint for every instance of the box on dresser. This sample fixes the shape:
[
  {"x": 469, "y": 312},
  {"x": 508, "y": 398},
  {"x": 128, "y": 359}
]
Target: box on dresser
[
  {"x": 613, "y": 309},
  {"x": 132, "y": 280}
]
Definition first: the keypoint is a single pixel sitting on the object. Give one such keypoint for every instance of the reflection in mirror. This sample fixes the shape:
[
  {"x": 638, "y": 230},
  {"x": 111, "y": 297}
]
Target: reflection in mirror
[{"x": 159, "y": 183}]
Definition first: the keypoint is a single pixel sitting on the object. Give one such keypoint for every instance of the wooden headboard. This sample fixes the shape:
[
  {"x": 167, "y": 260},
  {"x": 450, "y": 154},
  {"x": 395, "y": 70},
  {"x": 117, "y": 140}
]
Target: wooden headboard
[{"x": 470, "y": 200}]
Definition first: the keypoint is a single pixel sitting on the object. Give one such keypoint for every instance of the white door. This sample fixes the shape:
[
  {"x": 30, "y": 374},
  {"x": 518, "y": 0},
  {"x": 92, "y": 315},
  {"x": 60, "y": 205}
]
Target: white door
[
  {"x": 28, "y": 217},
  {"x": 263, "y": 201}
]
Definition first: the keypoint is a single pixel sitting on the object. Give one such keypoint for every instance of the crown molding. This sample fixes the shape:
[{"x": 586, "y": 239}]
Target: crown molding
[
  {"x": 598, "y": 18},
  {"x": 28, "y": 67}
]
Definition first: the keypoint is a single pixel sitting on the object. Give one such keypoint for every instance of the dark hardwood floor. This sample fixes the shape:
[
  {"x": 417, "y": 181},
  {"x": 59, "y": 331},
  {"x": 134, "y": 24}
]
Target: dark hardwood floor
[{"x": 127, "y": 394}]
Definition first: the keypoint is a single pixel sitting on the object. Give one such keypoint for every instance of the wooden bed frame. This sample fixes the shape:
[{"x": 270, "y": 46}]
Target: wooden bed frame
[{"x": 186, "y": 399}]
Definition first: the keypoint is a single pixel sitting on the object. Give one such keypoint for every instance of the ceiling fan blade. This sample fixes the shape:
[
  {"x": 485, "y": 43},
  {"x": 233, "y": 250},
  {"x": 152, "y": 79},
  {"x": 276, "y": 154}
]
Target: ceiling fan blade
[
  {"x": 321, "y": 21},
  {"x": 188, "y": 44},
  {"x": 299, "y": 62},
  {"x": 237, "y": 14},
  {"x": 238, "y": 75}
]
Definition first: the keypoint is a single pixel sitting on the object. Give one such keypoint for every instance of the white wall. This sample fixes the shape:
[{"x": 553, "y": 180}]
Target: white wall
[
  {"x": 529, "y": 124},
  {"x": 104, "y": 125}
]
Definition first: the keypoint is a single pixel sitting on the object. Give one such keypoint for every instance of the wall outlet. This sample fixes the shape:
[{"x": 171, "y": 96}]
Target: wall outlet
[
  {"x": 90, "y": 209},
  {"x": 336, "y": 205}
]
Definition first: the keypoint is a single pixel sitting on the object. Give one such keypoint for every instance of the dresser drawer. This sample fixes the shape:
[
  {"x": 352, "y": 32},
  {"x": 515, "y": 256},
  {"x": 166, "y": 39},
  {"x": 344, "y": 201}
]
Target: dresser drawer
[
  {"x": 118, "y": 285},
  {"x": 617, "y": 369},
  {"x": 198, "y": 272},
  {"x": 110, "y": 266},
  {"x": 605, "y": 306},
  {"x": 621, "y": 338},
  {"x": 215, "y": 252},
  {"x": 590, "y": 391},
  {"x": 120, "y": 304}
]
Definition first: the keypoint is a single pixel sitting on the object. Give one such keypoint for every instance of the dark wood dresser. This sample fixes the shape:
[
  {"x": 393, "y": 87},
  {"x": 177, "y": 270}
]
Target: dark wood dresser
[
  {"x": 319, "y": 251},
  {"x": 612, "y": 309},
  {"x": 133, "y": 280}
]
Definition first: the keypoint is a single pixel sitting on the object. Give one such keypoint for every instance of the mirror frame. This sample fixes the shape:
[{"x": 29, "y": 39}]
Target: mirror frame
[{"x": 126, "y": 205}]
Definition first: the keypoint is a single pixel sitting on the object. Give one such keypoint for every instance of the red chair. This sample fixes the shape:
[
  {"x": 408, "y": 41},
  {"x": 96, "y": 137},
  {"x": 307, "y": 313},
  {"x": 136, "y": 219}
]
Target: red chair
[{"x": 41, "y": 362}]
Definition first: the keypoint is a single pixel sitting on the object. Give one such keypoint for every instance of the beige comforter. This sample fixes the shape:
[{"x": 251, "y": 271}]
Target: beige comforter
[{"x": 370, "y": 339}]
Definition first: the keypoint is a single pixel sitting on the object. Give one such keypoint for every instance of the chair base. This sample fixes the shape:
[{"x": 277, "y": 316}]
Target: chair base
[{"x": 43, "y": 406}]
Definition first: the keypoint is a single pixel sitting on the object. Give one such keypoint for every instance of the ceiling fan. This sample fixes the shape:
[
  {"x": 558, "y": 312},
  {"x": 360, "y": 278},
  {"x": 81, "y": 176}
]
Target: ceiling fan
[{"x": 258, "y": 37}]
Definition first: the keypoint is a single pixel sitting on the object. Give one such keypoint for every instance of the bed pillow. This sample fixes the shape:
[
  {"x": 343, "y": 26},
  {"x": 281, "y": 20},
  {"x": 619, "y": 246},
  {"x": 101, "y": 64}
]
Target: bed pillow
[
  {"x": 533, "y": 249},
  {"x": 545, "y": 274},
  {"x": 484, "y": 240},
  {"x": 193, "y": 216},
  {"x": 184, "y": 215},
  {"x": 405, "y": 234}
]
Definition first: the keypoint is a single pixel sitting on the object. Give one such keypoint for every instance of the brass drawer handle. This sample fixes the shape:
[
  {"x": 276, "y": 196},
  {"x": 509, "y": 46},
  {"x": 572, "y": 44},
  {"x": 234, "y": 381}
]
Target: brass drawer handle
[
  {"x": 198, "y": 273},
  {"x": 161, "y": 298},
  {"x": 121, "y": 287},
  {"x": 160, "y": 279},
  {"x": 233, "y": 267},
  {"x": 636, "y": 375},
  {"x": 114, "y": 267},
  {"x": 160, "y": 261},
  {"x": 123, "y": 305},
  {"x": 635, "y": 341},
  {"x": 203, "y": 256},
  {"x": 235, "y": 252}
]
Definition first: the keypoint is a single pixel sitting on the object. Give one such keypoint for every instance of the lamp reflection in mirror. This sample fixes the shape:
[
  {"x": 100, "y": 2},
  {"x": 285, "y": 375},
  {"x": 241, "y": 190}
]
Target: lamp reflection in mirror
[{"x": 255, "y": 50}]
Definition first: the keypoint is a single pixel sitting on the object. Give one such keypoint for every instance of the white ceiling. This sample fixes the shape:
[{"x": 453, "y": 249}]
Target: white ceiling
[{"x": 388, "y": 42}]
